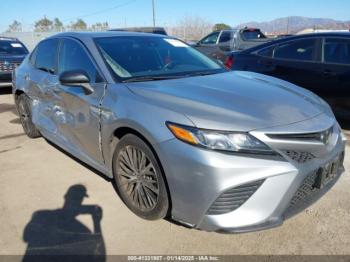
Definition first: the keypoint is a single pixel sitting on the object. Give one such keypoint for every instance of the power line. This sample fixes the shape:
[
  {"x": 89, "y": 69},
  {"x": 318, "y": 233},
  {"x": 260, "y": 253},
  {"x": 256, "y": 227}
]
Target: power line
[{"x": 101, "y": 11}]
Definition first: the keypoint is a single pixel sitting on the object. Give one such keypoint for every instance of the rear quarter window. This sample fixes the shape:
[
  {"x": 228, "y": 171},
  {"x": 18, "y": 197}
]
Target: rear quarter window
[
  {"x": 266, "y": 52},
  {"x": 337, "y": 51}
]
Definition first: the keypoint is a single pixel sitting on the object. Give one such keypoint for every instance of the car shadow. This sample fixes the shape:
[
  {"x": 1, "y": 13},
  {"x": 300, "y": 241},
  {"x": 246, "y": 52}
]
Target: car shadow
[
  {"x": 112, "y": 181},
  {"x": 57, "y": 235}
]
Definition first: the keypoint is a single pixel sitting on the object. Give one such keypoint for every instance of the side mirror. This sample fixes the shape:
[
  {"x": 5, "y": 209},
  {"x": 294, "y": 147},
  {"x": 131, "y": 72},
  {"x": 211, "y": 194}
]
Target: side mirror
[{"x": 76, "y": 78}]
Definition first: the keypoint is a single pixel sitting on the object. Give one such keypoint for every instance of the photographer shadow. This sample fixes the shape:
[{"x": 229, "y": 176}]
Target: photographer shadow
[{"x": 58, "y": 234}]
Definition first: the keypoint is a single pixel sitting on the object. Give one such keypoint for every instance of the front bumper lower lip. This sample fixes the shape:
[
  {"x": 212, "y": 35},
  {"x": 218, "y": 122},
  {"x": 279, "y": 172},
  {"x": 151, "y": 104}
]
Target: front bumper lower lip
[
  {"x": 289, "y": 213},
  {"x": 5, "y": 84}
]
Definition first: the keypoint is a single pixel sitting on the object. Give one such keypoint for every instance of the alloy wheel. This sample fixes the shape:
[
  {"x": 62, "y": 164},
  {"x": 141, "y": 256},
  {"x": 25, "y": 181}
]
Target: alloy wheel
[
  {"x": 24, "y": 114},
  {"x": 138, "y": 177}
]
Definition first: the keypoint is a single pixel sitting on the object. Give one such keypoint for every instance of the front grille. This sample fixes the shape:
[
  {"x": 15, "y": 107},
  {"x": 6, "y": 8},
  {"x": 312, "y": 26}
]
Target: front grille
[
  {"x": 299, "y": 157},
  {"x": 8, "y": 67},
  {"x": 234, "y": 198},
  {"x": 319, "y": 137}
]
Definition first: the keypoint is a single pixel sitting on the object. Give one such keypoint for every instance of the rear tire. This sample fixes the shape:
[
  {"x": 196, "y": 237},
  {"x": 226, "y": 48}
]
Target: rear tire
[
  {"x": 139, "y": 179},
  {"x": 25, "y": 114}
]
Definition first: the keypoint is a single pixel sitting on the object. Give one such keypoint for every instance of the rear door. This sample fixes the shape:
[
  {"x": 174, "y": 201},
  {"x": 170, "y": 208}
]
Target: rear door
[
  {"x": 335, "y": 74},
  {"x": 79, "y": 122},
  {"x": 40, "y": 82},
  {"x": 299, "y": 62}
]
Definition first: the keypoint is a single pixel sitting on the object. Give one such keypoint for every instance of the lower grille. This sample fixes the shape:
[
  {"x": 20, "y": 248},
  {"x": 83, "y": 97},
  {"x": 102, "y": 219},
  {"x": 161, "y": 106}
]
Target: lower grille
[
  {"x": 310, "y": 191},
  {"x": 305, "y": 190},
  {"x": 234, "y": 198},
  {"x": 8, "y": 67},
  {"x": 299, "y": 157}
]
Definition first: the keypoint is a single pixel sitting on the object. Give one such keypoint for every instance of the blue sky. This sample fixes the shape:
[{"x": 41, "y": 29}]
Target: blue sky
[{"x": 139, "y": 12}]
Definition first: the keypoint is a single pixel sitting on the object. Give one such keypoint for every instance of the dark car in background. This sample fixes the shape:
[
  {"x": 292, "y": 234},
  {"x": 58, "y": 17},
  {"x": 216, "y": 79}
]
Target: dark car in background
[
  {"x": 12, "y": 53},
  {"x": 319, "y": 62},
  {"x": 219, "y": 44},
  {"x": 150, "y": 30}
]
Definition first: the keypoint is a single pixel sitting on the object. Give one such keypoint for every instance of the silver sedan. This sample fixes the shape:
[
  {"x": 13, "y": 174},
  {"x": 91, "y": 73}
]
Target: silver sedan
[{"x": 180, "y": 135}]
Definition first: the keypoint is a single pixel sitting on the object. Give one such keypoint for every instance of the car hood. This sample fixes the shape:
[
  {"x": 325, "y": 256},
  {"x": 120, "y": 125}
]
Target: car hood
[{"x": 233, "y": 101}]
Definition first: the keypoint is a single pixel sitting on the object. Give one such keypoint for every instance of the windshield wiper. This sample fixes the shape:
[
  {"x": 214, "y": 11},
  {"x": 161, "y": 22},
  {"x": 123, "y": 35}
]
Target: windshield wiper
[
  {"x": 204, "y": 73},
  {"x": 150, "y": 78}
]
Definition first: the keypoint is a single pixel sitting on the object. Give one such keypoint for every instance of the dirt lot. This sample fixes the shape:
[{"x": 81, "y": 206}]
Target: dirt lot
[{"x": 35, "y": 176}]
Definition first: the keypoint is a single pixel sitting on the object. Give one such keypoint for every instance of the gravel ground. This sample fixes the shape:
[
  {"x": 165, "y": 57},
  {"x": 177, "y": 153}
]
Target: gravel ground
[{"x": 35, "y": 176}]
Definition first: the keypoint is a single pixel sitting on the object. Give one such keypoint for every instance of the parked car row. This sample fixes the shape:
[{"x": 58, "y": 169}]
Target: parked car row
[
  {"x": 181, "y": 135},
  {"x": 12, "y": 53},
  {"x": 219, "y": 44},
  {"x": 318, "y": 62}
]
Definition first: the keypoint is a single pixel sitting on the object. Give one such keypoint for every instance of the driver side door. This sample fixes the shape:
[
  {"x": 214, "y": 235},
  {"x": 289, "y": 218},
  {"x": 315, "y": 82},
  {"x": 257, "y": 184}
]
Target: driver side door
[{"x": 79, "y": 122}]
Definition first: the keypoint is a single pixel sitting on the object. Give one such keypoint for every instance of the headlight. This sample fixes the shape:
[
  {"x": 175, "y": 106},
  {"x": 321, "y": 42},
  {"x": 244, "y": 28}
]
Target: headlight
[{"x": 218, "y": 140}]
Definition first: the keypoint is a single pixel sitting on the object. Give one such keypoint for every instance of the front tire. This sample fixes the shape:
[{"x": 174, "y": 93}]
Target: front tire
[
  {"x": 25, "y": 115},
  {"x": 139, "y": 179}
]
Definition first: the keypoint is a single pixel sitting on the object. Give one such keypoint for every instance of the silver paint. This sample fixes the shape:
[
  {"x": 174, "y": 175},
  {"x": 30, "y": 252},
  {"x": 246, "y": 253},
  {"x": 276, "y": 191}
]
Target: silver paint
[{"x": 84, "y": 125}]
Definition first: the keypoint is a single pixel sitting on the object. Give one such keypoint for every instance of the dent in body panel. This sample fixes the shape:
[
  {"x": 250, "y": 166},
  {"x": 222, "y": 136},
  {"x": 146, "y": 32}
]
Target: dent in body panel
[{"x": 122, "y": 108}]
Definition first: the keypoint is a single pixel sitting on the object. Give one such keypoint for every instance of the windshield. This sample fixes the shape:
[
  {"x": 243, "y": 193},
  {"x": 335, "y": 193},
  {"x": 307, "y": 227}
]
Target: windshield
[
  {"x": 253, "y": 34},
  {"x": 12, "y": 48},
  {"x": 132, "y": 57}
]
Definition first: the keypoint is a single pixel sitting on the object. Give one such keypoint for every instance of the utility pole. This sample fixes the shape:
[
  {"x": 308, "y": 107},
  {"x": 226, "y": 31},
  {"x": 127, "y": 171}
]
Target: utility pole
[{"x": 154, "y": 14}]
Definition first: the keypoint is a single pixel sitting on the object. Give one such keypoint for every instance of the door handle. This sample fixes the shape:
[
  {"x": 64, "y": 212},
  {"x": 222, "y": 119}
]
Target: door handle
[
  {"x": 266, "y": 63},
  {"x": 329, "y": 73}
]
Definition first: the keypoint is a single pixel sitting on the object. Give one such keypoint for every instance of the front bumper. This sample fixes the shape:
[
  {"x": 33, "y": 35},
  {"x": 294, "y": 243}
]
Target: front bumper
[{"x": 197, "y": 178}]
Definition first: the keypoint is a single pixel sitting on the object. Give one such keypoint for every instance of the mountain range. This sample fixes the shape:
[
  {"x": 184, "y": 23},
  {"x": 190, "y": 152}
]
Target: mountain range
[{"x": 294, "y": 24}]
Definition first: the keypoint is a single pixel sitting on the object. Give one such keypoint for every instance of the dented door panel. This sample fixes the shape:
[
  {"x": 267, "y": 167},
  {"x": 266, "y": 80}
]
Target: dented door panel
[{"x": 77, "y": 118}]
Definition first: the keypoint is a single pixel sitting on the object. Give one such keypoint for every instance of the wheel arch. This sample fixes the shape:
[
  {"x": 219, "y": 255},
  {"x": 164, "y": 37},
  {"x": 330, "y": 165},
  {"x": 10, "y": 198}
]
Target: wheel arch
[{"x": 123, "y": 130}]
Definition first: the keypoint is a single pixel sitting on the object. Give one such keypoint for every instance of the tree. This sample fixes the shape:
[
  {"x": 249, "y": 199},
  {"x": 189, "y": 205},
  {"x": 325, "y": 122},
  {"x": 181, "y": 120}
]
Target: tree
[
  {"x": 221, "y": 26},
  {"x": 15, "y": 27},
  {"x": 99, "y": 27},
  {"x": 79, "y": 25},
  {"x": 43, "y": 25},
  {"x": 191, "y": 28},
  {"x": 57, "y": 25}
]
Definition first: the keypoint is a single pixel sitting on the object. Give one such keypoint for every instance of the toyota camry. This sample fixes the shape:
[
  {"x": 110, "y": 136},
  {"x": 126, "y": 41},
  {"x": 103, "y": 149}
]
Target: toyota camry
[{"x": 180, "y": 135}]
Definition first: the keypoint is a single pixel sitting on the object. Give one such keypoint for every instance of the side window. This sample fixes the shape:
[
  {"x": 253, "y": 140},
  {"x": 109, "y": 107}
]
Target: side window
[
  {"x": 211, "y": 39},
  {"x": 46, "y": 56},
  {"x": 32, "y": 57},
  {"x": 303, "y": 50},
  {"x": 74, "y": 57},
  {"x": 337, "y": 50},
  {"x": 266, "y": 52},
  {"x": 225, "y": 37}
]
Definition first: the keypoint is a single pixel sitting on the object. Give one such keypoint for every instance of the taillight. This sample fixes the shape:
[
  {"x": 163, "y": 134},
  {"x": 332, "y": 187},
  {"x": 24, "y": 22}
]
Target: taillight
[{"x": 229, "y": 62}]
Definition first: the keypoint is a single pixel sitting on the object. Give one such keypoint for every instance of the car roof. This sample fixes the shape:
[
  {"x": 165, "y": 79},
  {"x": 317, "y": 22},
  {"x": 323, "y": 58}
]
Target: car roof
[
  {"x": 89, "y": 35},
  {"x": 4, "y": 38},
  {"x": 295, "y": 37},
  {"x": 137, "y": 28}
]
